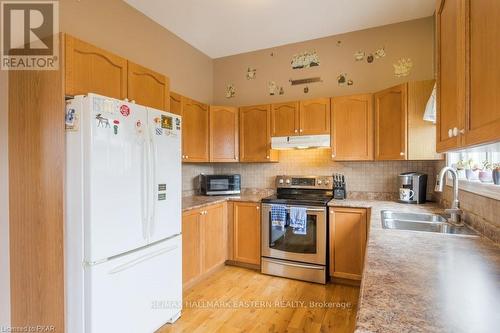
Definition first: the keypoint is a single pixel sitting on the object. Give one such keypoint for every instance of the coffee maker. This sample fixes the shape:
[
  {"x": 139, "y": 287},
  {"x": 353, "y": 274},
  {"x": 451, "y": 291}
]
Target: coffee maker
[{"x": 412, "y": 187}]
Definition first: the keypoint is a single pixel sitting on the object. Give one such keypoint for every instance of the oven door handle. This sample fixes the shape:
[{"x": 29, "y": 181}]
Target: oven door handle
[
  {"x": 294, "y": 264},
  {"x": 319, "y": 210}
]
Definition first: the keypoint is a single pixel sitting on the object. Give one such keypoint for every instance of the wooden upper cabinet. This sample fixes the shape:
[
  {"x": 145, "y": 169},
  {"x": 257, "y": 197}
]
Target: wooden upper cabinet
[
  {"x": 255, "y": 134},
  {"x": 224, "y": 143},
  {"x": 421, "y": 133},
  {"x": 483, "y": 121},
  {"x": 285, "y": 119},
  {"x": 148, "y": 88},
  {"x": 175, "y": 103},
  {"x": 391, "y": 123},
  {"x": 352, "y": 128},
  {"x": 450, "y": 33},
  {"x": 89, "y": 69},
  {"x": 314, "y": 116},
  {"x": 348, "y": 229},
  {"x": 246, "y": 232},
  {"x": 195, "y": 143}
]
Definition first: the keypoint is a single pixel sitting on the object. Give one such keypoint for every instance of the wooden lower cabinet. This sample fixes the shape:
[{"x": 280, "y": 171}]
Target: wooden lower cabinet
[
  {"x": 246, "y": 232},
  {"x": 348, "y": 229},
  {"x": 213, "y": 237},
  {"x": 204, "y": 241}
]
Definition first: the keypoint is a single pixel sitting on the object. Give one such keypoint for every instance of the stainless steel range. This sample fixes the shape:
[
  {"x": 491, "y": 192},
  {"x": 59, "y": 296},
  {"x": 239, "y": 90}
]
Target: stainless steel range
[{"x": 286, "y": 251}]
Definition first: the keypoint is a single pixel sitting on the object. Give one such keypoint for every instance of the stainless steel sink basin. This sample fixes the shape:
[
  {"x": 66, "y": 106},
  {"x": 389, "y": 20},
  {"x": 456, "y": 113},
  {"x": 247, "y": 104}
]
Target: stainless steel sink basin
[
  {"x": 421, "y": 222},
  {"x": 420, "y": 217}
]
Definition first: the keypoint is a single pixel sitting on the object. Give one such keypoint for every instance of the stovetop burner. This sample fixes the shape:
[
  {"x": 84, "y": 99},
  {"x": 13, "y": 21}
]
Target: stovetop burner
[{"x": 302, "y": 190}]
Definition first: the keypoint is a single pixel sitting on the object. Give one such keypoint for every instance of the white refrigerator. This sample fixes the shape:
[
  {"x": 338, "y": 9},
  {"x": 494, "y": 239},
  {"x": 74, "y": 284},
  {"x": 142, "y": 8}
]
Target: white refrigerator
[{"x": 123, "y": 247}]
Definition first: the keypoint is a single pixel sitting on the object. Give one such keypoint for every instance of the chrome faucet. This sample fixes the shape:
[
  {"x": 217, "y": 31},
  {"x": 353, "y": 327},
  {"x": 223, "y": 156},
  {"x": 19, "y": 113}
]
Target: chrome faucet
[{"x": 455, "y": 211}]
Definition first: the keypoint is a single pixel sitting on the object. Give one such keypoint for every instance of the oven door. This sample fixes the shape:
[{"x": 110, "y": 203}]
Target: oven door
[{"x": 284, "y": 243}]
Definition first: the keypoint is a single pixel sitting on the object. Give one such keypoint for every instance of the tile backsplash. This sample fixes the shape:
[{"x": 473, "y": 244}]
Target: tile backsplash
[{"x": 367, "y": 177}]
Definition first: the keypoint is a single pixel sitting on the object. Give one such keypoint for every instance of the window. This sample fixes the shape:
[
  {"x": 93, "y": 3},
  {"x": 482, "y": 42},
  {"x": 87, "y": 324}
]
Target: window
[{"x": 478, "y": 169}]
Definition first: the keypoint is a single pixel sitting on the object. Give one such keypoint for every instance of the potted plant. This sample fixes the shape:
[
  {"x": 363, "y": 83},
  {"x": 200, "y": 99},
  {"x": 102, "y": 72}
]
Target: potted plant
[
  {"x": 471, "y": 170},
  {"x": 496, "y": 173},
  {"x": 486, "y": 174},
  {"x": 460, "y": 167}
]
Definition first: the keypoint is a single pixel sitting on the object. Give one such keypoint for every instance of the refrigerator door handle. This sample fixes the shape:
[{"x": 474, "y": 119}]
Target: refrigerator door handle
[
  {"x": 140, "y": 259},
  {"x": 144, "y": 188},
  {"x": 153, "y": 187}
]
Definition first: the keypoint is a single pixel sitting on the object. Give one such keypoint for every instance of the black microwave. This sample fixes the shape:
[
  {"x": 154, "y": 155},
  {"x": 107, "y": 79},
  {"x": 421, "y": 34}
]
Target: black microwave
[{"x": 220, "y": 184}]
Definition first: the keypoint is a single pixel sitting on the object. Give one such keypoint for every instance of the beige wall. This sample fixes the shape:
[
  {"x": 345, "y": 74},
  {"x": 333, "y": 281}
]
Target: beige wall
[
  {"x": 119, "y": 28},
  {"x": 4, "y": 204},
  {"x": 414, "y": 39}
]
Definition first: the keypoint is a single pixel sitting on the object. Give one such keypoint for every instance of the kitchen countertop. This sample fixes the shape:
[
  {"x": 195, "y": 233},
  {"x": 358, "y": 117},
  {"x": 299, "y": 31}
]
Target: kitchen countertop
[
  {"x": 199, "y": 201},
  {"x": 426, "y": 282}
]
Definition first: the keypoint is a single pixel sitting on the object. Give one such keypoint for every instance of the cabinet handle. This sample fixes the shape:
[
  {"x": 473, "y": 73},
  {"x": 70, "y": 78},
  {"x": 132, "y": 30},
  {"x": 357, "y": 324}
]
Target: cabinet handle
[
  {"x": 257, "y": 207},
  {"x": 295, "y": 131},
  {"x": 455, "y": 131},
  {"x": 187, "y": 157},
  {"x": 301, "y": 130},
  {"x": 333, "y": 155},
  {"x": 267, "y": 157},
  {"x": 402, "y": 154},
  {"x": 450, "y": 133}
]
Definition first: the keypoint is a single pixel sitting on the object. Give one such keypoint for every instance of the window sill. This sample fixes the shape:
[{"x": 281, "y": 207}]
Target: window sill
[{"x": 488, "y": 190}]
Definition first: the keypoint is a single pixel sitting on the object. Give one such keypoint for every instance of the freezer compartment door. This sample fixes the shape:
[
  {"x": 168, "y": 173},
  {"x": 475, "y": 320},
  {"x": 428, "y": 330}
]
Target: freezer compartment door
[
  {"x": 138, "y": 292},
  {"x": 166, "y": 180},
  {"x": 116, "y": 178}
]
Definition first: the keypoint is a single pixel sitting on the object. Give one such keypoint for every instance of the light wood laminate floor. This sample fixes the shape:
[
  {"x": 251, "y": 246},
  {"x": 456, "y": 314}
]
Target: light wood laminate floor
[{"x": 241, "y": 300}]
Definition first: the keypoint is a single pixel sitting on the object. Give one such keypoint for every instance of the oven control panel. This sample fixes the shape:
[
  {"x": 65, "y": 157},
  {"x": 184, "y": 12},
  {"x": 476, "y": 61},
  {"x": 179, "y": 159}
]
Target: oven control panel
[{"x": 311, "y": 182}]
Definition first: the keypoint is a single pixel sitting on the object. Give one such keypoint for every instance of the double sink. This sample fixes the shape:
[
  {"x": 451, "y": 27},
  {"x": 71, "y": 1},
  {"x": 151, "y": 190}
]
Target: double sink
[{"x": 422, "y": 222}]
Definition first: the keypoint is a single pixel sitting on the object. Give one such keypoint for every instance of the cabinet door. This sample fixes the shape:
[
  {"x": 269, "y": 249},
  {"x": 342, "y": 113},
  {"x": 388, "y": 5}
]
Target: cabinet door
[
  {"x": 483, "y": 121},
  {"x": 194, "y": 131},
  {"x": 347, "y": 242},
  {"x": 175, "y": 103},
  {"x": 352, "y": 128},
  {"x": 314, "y": 116},
  {"x": 224, "y": 146},
  {"x": 148, "y": 88},
  {"x": 285, "y": 119},
  {"x": 247, "y": 232},
  {"x": 191, "y": 245},
  {"x": 450, "y": 98},
  {"x": 391, "y": 123},
  {"x": 214, "y": 237},
  {"x": 255, "y": 134},
  {"x": 89, "y": 69}
]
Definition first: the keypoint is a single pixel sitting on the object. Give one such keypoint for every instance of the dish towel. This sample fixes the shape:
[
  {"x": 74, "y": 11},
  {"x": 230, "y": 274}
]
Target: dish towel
[
  {"x": 430, "y": 108},
  {"x": 298, "y": 220},
  {"x": 278, "y": 216}
]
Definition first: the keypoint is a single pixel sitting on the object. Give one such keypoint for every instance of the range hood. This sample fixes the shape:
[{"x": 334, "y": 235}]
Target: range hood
[{"x": 300, "y": 142}]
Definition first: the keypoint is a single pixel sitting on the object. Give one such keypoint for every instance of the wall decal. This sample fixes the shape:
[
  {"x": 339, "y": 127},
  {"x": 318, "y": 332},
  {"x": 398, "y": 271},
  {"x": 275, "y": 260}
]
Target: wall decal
[
  {"x": 274, "y": 89},
  {"x": 305, "y": 81},
  {"x": 380, "y": 53},
  {"x": 305, "y": 60},
  {"x": 339, "y": 43},
  {"x": 343, "y": 81},
  {"x": 359, "y": 56},
  {"x": 369, "y": 58},
  {"x": 306, "y": 90},
  {"x": 251, "y": 73},
  {"x": 230, "y": 91},
  {"x": 403, "y": 67},
  {"x": 281, "y": 91}
]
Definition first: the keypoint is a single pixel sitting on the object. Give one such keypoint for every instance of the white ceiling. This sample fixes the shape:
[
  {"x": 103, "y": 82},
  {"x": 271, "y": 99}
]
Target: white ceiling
[{"x": 220, "y": 28}]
